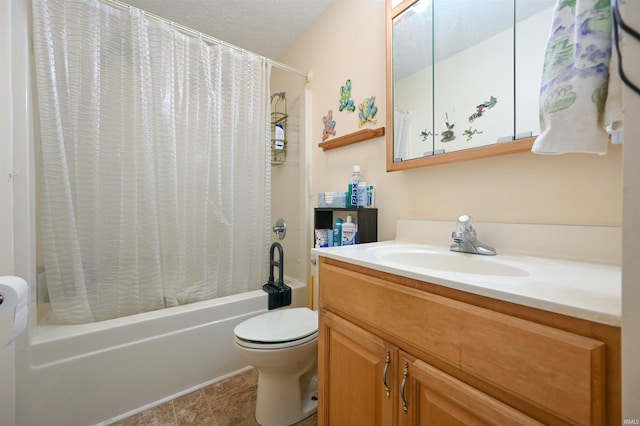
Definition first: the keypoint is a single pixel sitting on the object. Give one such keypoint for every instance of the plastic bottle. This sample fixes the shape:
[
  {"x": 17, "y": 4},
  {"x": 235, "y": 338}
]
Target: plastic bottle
[
  {"x": 337, "y": 232},
  {"x": 362, "y": 194},
  {"x": 356, "y": 181},
  {"x": 348, "y": 232}
]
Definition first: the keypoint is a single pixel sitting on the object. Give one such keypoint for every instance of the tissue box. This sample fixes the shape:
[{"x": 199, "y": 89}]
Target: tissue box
[
  {"x": 324, "y": 238},
  {"x": 332, "y": 199}
]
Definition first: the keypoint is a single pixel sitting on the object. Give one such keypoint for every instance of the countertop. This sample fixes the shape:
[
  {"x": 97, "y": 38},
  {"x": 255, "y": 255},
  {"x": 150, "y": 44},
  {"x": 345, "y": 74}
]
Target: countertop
[{"x": 583, "y": 290}]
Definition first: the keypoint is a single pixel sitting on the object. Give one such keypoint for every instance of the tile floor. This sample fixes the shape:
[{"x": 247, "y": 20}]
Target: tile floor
[{"x": 231, "y": 402}]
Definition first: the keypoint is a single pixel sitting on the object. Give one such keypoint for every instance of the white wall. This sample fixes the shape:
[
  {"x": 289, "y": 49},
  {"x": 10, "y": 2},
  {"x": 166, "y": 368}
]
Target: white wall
[
  {"x": 7, "y": 370},
  {"x": 631, "y": 228},
  {"x": 7, "y": 355},
  {"x": 529, "y": 63},
  {"x": 6, "y": 135}
]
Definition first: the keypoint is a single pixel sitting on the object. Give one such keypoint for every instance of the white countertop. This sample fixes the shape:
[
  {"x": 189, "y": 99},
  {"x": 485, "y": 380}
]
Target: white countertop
[{"x": 578, "y": 289}]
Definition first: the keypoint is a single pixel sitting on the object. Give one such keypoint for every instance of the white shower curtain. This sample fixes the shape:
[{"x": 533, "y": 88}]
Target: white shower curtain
[{"x": 154, "y": 175}]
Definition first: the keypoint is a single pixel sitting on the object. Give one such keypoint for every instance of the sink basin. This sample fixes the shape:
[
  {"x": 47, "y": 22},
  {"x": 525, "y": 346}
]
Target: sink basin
[
  {"x": 589, "y": 291},
  {"x": 453, "y": 262}
]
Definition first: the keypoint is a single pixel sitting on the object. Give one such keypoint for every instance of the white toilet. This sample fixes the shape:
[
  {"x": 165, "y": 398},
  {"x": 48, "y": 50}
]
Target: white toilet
[{"x": 283, "y": 346}]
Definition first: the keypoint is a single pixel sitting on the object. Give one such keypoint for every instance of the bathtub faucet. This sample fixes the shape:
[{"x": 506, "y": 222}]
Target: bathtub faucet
[{"x": 466, "y": 241}]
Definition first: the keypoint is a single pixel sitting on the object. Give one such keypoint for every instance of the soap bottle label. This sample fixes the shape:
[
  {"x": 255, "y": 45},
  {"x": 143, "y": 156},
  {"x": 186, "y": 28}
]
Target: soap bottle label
[
  {"x": 337, "y": 235},
  {"x": 362, "y": 195},
  {"x": 279, "y": 142},
  {"x": 353, "y": 193},
  {"x": 348, "y": 235}
]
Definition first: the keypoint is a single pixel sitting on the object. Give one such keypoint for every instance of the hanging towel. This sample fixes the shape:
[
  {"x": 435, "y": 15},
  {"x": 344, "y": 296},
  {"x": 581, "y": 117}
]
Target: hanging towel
[{"x": 580, "y": 94}]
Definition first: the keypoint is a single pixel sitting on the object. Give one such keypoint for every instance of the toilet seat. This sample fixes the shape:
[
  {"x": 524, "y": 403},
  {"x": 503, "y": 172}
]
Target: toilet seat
[{"x": 278, "y": 329}]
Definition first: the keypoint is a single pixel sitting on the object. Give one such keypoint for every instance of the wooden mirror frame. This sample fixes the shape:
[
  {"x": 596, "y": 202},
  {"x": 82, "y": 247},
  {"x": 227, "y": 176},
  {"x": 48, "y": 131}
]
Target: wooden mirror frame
[{"x": 493, "y": 150}]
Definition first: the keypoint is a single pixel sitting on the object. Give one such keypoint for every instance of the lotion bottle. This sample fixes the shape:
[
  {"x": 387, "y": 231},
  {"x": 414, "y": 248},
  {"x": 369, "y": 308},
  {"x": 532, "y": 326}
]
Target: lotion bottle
[{"x": 348, "y": 232}]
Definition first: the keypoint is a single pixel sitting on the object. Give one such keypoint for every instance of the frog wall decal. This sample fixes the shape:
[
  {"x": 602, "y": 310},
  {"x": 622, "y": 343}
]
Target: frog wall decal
[
  {"x": 345, "y": 97},
  {"x": 329, "y": 126},
  {"x": 368, "y": 111}
]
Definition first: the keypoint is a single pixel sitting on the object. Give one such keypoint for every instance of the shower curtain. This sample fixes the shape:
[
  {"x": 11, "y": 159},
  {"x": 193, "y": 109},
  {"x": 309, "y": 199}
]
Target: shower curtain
[
  {"x": 401, "y": 137},
  {"x": 154, "y": 163}
]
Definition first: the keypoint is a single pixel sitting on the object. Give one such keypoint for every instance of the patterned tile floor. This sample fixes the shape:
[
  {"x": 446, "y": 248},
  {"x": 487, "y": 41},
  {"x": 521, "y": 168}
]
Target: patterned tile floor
[{"x": 231, "y": 402}]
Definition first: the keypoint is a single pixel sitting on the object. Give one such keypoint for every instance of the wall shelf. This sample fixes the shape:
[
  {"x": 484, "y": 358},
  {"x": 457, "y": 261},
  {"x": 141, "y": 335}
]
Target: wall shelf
[
  {"x": 359, "y": 136},
  {"x": 365, "y": 218}
]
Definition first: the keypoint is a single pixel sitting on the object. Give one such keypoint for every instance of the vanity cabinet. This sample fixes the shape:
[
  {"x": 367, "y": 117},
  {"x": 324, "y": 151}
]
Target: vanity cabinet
[
  {"x": 429, "y": 396},
  {"x": 357, "y": 375},
  {"x": 397, "y": 351},
  {"x": 370, "y": 382}
]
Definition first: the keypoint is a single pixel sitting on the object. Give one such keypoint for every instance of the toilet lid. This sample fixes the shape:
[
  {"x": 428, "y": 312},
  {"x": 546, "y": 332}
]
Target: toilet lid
[{"x": 283, "y": 325}]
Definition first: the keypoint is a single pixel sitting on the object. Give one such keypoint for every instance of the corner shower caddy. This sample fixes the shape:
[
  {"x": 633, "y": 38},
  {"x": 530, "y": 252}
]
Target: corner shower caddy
[{"x": 278, "y": 129}]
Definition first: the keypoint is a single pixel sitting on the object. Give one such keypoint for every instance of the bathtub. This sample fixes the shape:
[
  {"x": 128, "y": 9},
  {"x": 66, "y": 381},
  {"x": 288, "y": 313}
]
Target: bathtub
[{"x": 97, "y": 373}]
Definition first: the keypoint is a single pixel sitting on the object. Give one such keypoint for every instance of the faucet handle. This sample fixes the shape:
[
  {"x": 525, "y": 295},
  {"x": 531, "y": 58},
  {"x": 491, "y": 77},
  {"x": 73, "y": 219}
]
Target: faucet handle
[
  {"x": 464, "y": 218},
  {"x": 465, "y": 223}
]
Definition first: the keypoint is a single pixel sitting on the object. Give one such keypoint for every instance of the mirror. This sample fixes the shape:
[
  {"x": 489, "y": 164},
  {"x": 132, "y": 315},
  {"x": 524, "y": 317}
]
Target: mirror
[{"x": 463, "y": 78}]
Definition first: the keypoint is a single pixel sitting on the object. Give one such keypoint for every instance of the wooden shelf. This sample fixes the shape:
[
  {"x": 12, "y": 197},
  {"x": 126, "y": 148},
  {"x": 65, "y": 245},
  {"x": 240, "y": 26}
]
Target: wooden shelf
[
  {"x": 493, "y": 150},
  {"x": 359, "y": 136}
]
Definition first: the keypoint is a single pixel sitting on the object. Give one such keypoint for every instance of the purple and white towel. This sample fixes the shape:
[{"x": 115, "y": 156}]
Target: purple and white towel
[{"x": 580, "y": 97}]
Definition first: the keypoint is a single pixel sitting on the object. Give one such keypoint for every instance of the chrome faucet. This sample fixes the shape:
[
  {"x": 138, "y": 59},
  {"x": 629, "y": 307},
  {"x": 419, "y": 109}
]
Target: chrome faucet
[{"x": 466, "y": 241}]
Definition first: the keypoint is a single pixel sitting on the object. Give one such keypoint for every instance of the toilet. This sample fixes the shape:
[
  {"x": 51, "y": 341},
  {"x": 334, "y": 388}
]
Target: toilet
[{"x": 282, "y": 345}]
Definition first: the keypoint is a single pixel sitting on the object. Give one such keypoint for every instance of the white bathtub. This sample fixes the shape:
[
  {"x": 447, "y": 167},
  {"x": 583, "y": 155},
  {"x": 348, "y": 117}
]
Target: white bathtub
[{"x": 97, "y": 373}]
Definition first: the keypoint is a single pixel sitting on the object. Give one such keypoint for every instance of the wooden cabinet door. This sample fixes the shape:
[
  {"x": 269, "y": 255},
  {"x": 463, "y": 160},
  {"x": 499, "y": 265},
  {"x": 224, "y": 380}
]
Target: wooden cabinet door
[
  {"x": 431, "y": 397},
  {"x": 353, "y": 367}
]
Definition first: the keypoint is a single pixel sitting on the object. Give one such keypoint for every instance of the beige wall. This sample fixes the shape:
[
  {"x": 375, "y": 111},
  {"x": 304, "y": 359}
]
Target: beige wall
[
  {"x": 288, "y": 180},
  {"x": 347, "y": 42}
]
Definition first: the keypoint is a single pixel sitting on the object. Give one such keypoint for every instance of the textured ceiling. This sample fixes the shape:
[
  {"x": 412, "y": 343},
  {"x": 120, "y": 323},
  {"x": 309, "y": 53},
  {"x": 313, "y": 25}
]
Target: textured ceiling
[{"x": 265, "y": 27}]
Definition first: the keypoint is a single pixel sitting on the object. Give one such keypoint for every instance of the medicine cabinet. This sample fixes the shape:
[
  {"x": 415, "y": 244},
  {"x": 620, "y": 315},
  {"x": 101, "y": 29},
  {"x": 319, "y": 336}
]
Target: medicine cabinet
[{"x": 463, "y": 78}]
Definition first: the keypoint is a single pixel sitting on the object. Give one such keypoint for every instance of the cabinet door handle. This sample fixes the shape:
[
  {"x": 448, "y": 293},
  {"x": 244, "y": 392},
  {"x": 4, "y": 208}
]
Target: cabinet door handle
[
  {"x": 387, "y": 362},
  {"x": 405, "y": 403}
]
